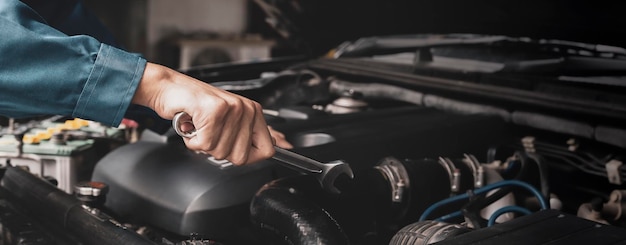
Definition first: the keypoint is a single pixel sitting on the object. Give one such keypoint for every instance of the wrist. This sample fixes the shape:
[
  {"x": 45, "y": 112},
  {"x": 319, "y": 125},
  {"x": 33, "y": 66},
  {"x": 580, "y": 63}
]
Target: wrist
[{"x": 148, "y": 88}]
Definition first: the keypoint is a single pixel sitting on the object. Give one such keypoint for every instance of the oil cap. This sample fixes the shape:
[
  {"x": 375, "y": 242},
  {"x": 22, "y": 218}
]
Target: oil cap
[{"x": 92, "y": 193}]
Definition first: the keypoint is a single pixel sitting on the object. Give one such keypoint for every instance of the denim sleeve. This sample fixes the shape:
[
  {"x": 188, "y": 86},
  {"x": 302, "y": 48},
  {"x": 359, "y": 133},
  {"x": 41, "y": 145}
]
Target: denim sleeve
[{"x": 46, "y": 72}]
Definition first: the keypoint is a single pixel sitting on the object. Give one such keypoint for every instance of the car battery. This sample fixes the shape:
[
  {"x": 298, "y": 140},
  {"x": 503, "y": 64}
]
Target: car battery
[{"x": 62, "y": 152}]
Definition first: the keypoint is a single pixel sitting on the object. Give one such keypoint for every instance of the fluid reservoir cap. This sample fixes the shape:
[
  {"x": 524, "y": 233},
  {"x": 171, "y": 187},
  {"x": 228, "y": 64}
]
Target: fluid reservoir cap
[
  {"x": 53, "y": 130},
  {"x": 30, "y": 139},
  {"x": 91, "y": 188},
  {"x": 43, "y": 135},
  {"x": 81, "y": 122},
  {"x": 72, "y": 124}
]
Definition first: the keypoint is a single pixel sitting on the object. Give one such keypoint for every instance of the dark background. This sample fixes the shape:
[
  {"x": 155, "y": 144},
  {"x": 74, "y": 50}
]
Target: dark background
[
  {"x": 322, "y": 24},
  {"x": 328, "y": 22}
]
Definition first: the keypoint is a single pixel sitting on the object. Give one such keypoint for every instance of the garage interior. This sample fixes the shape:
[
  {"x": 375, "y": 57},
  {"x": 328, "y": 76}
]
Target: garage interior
[{"x": 454, "y": 122}]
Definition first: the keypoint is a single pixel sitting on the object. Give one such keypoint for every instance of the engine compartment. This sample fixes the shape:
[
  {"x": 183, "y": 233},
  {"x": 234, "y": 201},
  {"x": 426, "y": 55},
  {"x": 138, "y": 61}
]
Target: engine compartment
[{"x": 434, "y": 161}]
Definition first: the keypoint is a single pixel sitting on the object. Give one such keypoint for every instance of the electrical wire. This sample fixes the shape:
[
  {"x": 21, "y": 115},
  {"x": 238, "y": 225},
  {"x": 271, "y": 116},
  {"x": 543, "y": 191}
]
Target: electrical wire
[
  {"x": 450, "y": 216},
  {"x": 507, "y": 209},
  {"x": 591, "y": 164},
  {"x": 522, "y": 158},
  {"x": 583, "y": 161},
  {"x": 542, "y": 200},
  {"x": 583, "y": 168},
  {"x": 543, "y": 173}
]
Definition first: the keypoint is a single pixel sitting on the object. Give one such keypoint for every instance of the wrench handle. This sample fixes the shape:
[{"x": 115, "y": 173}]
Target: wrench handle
[
  {"x": 290, "y": 159},
  {"x": 297, "y": 161}
]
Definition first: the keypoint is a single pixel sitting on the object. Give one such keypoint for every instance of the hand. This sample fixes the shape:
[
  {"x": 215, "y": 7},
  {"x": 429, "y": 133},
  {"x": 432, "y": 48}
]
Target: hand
[
  {"x": 279, "y": 139},
  {"x": 228, "y": 126}
]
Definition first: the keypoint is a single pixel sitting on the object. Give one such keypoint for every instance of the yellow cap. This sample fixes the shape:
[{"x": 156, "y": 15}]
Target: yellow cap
[
  {"x": 43, "y": 135},
  {"x": 61, "y": 127},
  {"x": 71, "y": 124},
  {"x": 81, "y": 122},
  {"x": 53, "y": 130},
  {"x": 30, "y": 139}
]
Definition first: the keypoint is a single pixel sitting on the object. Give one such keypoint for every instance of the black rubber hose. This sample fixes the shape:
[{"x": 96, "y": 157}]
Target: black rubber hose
[
  {"x": 543, "y": 174},
  {"x": 286, "y": 210},
  {"x": 296, "y": 211},
  {"x": 427, "y": 232},
  {"x": 66, "y": 212}
]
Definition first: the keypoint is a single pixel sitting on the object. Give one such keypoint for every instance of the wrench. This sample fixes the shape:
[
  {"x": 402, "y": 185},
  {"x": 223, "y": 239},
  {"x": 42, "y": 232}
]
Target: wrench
[{"x": 326, "y": 173}]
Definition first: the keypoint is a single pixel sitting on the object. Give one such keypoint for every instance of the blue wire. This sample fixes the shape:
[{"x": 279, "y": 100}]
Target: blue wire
[
  {"x": 449, "y": 216},
  {"x": 487, "y": 188},
  {"x": 507, "y": 209}
]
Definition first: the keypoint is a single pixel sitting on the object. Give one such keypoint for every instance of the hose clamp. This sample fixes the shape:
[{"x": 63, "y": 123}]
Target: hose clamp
[{"x": 393, "y": 170}]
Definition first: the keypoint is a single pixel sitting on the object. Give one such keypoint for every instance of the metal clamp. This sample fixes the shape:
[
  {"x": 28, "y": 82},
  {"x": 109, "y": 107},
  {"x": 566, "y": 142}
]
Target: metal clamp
[
  {"x": 453, "y": 172},
  {"x": 397, "y": 175},
  {"x": 528, "y": 143},
  {"x": 613, "y": 173},
  {"x": 477, "y": 170}
]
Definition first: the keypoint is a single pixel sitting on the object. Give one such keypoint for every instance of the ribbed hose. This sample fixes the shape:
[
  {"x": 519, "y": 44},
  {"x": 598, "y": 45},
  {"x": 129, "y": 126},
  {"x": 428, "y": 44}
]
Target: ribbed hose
[
  {"x": 296, "y": 211},
  {"x": 377, "y": 91},
  {"x": 426, "y": 232},
  {"x": 285, "y": 210},
  {"x": 66, "y": 212}
]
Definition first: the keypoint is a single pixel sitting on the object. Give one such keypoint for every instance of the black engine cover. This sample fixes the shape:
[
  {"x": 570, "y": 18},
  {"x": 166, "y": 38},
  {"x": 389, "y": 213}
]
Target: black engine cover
[{"x": 168, "y": 187}]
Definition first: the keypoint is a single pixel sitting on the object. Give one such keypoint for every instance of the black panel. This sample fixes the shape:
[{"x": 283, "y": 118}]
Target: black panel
[{"x": 545, "y": 227}]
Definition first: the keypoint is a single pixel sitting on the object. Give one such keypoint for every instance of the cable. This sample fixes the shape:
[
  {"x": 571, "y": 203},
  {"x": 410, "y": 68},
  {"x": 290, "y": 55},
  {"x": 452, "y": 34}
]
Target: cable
[
  {"x": 543, "y": 173},
  {"x": 443, "y": 202},
  {"x": 450, "y": 216},
  {"x": 544, "y": 203},
  {"x": 507, "y": 209}
]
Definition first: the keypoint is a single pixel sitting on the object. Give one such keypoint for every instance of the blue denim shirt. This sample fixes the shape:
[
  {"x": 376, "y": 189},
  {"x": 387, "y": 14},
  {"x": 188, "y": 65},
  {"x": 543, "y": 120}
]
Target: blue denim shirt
[{"x": 44, "y": 71}]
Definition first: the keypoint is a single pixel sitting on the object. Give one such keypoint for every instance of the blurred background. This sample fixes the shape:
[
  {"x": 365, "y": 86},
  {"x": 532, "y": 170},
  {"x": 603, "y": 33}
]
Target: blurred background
[{"x": 186, "y": 33}]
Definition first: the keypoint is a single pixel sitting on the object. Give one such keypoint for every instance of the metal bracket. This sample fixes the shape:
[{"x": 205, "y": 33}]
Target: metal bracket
[
  {"x": 453, "y": 172},
  {"x": 529, "y": 143},
  {"x": 477, "y": 169},
  {"x": 613, "y": 173},
  {"x": 397, "y": 175}
]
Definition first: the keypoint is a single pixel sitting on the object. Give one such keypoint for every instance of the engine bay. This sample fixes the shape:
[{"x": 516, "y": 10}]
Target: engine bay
[{"x": 454, "y": 152}]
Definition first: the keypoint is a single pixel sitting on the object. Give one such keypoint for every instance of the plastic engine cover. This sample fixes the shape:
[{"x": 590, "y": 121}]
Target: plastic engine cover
[{"x": 176, "y": 190}]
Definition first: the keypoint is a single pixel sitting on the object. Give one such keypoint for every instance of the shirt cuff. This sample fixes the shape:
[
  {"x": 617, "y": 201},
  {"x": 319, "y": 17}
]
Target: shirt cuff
[{"x": 111, "y": 86}]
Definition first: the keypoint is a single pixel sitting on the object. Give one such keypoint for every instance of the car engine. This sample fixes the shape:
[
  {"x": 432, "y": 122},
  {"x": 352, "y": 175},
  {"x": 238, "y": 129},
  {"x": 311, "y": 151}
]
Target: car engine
[{"x": 452, "y": 139}]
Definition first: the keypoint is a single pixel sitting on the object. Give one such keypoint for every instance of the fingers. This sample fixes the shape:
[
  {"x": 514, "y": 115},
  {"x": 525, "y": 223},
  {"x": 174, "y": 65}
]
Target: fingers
[
  {"x": 228, "y": 126},
  {"x": 279, "y": 139},
  {"x": 262, "y": 145},
  {"x": 235, "y": 140},
  {"x": 235, "y": 130},
  {"x": 209, "y": 119}
]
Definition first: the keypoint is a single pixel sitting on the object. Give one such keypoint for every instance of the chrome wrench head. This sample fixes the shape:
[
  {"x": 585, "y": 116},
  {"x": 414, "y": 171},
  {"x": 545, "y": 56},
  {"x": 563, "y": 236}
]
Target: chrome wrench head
[
  {"x": 326, "y": 173},
  {"x": 333, "y": 170}
]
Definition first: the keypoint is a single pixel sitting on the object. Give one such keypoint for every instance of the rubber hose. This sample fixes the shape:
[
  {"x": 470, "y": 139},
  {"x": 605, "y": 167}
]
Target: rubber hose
[
  {"x": 285, "y": 210},
  {"x": 427, "y": 232},
  {"x": 66, "y": 212}
]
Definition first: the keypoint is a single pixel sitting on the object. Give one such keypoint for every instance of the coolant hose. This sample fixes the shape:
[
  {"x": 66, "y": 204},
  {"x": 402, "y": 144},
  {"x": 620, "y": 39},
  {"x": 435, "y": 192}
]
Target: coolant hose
[
  {"x": 285, "y": 209},
  {"x": 66, "y": 212},
  {"x": 377, "y": 90},
  {"x": 297, "y": 211}
]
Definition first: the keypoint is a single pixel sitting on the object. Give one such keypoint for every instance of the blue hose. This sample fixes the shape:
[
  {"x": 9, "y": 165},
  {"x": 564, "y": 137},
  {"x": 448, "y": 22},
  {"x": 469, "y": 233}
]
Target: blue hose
[
  {"x": 507, "y": 209},
  {"x": 487, "y": 188}
]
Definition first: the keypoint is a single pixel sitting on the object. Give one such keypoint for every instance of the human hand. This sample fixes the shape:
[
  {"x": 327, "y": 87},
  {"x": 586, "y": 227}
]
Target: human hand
[
  {"x": 228, "y": 126},
  {"x": 279, "y": 139}
]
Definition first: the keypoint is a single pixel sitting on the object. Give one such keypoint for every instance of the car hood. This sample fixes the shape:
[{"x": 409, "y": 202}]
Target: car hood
[{"x": 316, "y": 26}]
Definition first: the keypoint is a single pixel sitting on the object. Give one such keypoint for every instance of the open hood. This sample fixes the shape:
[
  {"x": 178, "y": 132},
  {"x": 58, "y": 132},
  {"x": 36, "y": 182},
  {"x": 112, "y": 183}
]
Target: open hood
[{"x": 315, "y": 26}]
